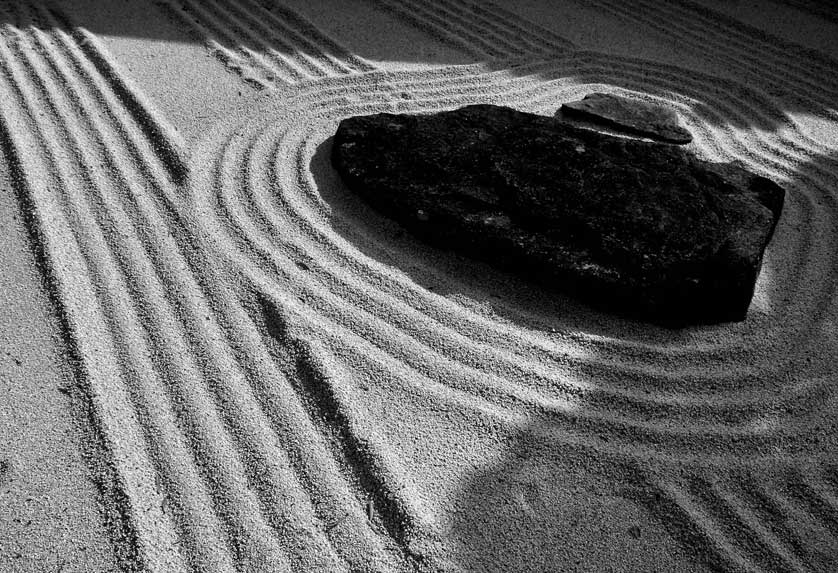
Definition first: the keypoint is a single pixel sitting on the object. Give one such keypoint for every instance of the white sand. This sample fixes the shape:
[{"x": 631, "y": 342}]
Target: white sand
[
  {"x": 49, "y": 517},
  {"x": 287, "y": 382}
]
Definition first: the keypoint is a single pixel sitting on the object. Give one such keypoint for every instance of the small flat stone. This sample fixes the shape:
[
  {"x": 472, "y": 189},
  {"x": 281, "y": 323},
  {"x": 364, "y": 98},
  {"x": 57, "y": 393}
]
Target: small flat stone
[{"x": 629, "y": 115}]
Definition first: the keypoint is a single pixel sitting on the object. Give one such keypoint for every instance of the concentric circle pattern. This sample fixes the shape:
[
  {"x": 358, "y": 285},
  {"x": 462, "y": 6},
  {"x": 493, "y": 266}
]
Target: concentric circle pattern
[
  {"x": 430, "y": 326},
  {"x": 291, "y": 232}
]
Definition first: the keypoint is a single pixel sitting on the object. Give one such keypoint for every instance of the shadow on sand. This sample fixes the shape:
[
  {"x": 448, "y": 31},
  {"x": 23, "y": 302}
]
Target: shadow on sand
[{"x": 549, "y": 506}]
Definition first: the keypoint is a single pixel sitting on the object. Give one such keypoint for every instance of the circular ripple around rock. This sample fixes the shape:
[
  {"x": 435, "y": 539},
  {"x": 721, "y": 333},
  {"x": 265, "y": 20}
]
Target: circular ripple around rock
[{"x": 273, "y": 206}]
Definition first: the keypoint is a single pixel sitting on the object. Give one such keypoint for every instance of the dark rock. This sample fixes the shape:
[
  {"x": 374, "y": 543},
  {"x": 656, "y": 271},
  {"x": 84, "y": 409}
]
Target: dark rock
[
  {"x": 638, "y": 227},
  {"x": 629, "y": 115}
]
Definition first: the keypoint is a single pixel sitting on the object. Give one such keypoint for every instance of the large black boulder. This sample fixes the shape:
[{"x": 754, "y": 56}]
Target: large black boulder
[{"x": 641, "y": 228}]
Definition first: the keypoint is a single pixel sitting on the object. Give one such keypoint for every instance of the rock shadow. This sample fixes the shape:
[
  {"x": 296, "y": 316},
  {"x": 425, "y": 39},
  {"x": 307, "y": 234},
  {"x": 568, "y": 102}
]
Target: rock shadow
[{"x": 549, "y": 506}]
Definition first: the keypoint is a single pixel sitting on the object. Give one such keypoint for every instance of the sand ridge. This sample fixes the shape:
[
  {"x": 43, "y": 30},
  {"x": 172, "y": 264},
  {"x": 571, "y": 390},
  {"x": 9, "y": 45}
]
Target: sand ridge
[
  {"x": 259, "y": 346},
  {"x": 276, "y": 45}
]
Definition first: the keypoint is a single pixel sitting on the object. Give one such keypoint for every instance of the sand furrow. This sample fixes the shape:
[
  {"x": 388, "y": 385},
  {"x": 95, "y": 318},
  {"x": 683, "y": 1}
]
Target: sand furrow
[
  {"x": 115, "y": 413},
  {"x": 217, "y": 29},
  {"x": 336, "y": 504},
  {"x": 432, "y": 27},
  {"x": 170, "y": 146},
  {"x": 727, "y": 519},
  {"x": 225, "y": 17},
  {"x": 452, "y": 369},
  {"x": 262, "y": 35},
  {"x": 85, "y": 313},
  {"x": 327, "y": 56},
  {"x": 730, "y": 44},
  {"x": 498, "y": 367},
  {"x": 532, "y": 38},
  {"x": 572, "y": 420},
  {"x": 484, "y": 30},
  {"x": 283, "y": 229},
  {"x": 169, "y": 149},
  {"x": 697, "y": 528},
  {"x": 788, "y": 520},
  {"x": 772, "y": 550},
  {"x": 252, "y": 334},
  {"x": 121, "y": 220},
  {"x": 268, "y": 46},
  {"x": 136, "y": 133},
  {"x": 743, "y": 35},
  {"x": 127, "y": 279},
  {"x": 442, "y": 15},
  {"x": 811, "y": 487},
  {"x": 260, "y": 469},
  {"x": 815, "y": 8},
  {"x": 470, "y": 25},
  {"x": 738, "y": 520},
  {"x": 327, "y": 388},
  {"x": 773, "y": 523},
  {"x": 822, "y": 183},
  {"x": 712, "y": 27},
  {"x": 645, "y": 72},
  {"x": 238, "y": 59},
  {"x": 99, "y": 215},
  {"x": 309, "y": 36}
]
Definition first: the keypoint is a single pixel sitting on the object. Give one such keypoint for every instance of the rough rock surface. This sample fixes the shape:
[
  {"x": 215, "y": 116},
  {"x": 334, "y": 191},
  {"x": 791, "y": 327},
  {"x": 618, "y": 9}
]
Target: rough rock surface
[
  {"x": 630, "y": 115},
  {"x": 642, "y": 228}
]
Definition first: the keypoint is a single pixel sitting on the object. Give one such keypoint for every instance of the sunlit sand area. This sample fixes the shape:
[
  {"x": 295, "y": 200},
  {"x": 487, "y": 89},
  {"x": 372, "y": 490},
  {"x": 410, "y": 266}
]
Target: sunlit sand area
[{"x": 215, "y": 357}]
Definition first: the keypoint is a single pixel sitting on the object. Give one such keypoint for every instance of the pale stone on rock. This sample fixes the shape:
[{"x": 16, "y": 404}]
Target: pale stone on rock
[{"x": 630, "y": 115}]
